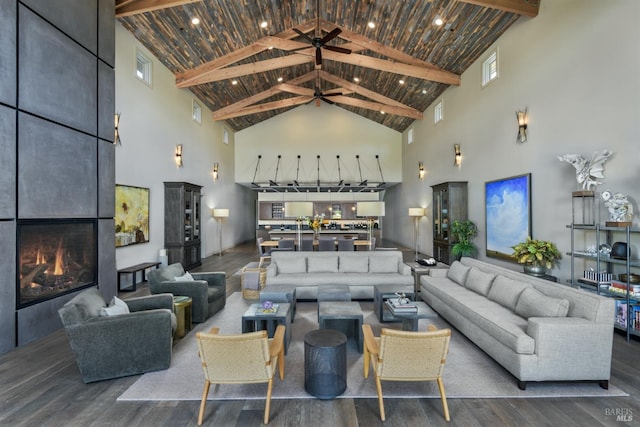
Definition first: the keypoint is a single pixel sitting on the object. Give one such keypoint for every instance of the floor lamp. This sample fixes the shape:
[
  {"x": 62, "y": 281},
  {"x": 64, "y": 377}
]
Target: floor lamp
[
  {"x": 220, "y": 213},
  {"x": 416, "y": 213}
]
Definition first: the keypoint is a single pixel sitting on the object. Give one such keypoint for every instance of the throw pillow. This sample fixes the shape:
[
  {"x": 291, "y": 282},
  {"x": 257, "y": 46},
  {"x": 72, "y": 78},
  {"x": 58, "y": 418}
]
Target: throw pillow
[
  {"x": 292, "y": 265},
  {"x": 478, "y": 281},
  {"x": 506, "y": 291},
  {"x": 354, "y": 264},
  {"x": 533, "y": 303},
  {"x": 323, "y": 264},
  {"x": 187, "y": 277},
  {"x": 383, "y": 264},
  {"x": 458, "y": 273},
  {"x": 116, "y": 307}
]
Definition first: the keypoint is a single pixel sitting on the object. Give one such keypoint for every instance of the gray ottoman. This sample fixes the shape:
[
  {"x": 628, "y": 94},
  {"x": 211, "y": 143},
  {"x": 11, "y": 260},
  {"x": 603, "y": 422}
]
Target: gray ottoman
[
  {"x": 333, "y": 293},
  {"x": 280, "y": 294},
  {"x": 345, "y": 316}
]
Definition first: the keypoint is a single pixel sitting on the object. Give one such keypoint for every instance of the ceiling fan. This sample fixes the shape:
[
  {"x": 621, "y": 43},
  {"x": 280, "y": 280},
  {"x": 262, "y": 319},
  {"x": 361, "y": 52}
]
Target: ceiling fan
[
  {"x": 318, "y": 95},
  {"x": 321, "y": 42}
]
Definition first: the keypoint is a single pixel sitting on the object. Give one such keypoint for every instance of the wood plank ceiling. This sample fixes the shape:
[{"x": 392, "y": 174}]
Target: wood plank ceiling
[{"x": 230, "y": 45}]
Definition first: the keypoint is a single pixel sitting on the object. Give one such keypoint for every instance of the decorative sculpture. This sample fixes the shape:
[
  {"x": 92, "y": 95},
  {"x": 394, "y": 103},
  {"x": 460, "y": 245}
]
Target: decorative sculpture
[
  {"x": 588, "y": 171},
  {"x": 620, "y": 209}
]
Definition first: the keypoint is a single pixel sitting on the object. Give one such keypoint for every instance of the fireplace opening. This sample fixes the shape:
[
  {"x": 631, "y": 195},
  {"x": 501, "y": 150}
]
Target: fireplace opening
[{"x": 55, "y": 257}]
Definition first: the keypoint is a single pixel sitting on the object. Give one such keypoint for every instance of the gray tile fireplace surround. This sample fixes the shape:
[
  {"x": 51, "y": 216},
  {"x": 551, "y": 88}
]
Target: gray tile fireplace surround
[{"x": 57, "y": 160}]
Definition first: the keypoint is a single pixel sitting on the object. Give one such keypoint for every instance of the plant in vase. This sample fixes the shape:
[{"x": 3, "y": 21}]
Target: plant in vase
[
  {"x": 463, "y": 233},
  {"x": 316, "y": 223},
  {"x": 536, "y": 255}
]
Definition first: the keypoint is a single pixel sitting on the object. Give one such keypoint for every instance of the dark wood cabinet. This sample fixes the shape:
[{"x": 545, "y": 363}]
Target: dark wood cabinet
[
  {"x": 182, "y": 223},
  {"x": 449, "y": 204}
]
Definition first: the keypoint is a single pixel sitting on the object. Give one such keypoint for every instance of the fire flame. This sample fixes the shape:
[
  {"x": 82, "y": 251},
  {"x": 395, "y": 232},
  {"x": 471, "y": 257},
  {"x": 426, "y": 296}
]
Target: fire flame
[{"x": 59, "y": 265}]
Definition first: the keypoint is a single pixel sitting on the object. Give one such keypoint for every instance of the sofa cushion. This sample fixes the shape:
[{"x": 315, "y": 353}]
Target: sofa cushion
[
  {"x": 458, "y": 273},
  {"x": 383, "y": 264},
  {"x": 323, "y": 264},
  {"x": 293, "y": 265},
  {"x": 479, "y": 281},
  {"x": 115, "y": 307},
  {"x": 186, "y": 277},
  {"x": 350, "y": 264},
  {"x": 506, "y": 291},
  {"x": 533, "y": 303}
]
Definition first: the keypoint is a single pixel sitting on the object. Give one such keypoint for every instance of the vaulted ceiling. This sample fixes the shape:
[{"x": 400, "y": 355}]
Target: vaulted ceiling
[{"x": 233, "y": 65}]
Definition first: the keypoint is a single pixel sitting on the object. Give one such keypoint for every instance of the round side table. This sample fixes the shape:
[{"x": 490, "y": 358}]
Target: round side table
[
  {"x": 182, "y": 306},
  {"x": 325, "y": 363}
]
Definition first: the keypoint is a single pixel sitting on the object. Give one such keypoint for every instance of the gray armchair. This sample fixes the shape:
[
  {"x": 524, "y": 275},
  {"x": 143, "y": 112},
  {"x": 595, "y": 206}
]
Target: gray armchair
[
  {"x": 208, "y": 291},
  {"x": 116, "y": 346}
]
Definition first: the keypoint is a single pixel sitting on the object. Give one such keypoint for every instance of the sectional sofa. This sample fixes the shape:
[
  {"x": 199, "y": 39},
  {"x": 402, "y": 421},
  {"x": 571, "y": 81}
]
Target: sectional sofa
[
  {"x": 536, "y": 329},
  {"x": 360, "y": 270}
]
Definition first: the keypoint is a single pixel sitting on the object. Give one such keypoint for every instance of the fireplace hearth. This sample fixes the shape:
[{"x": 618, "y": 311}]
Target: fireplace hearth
[{"x": 55, "y": 257}]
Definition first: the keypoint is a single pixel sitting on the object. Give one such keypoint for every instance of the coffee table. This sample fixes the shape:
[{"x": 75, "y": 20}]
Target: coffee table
[
  {"x": 344, "y": 315},
  {"x": 410, "y": 320},
  {"x": 384, "y": 292},
  {"x": 280, "y": 294},
  {"x": 253, "y": 321}
]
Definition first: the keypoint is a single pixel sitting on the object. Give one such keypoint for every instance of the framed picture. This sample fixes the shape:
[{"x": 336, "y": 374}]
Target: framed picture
[
  {"x": 132, "y": 215},
  {"x": 507, "y": 214}
]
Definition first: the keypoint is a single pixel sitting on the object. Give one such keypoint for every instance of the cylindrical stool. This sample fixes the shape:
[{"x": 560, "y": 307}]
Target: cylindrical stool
[{"x": 325, "y": 363}]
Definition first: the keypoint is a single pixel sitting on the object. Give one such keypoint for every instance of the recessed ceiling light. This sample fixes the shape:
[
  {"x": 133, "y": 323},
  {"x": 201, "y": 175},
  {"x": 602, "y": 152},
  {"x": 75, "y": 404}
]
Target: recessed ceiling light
[
  {"x": 371, "y": 24},
  {"x": 264, "y": 24},
  {"x": 424, "y": 91},
  {"x": 438, "y": 21},
  {"x": 234, "y": 82},
  {"x": 381, "y": 112},
  {"x": 401, "y": 81},
  {"x": 280, "y": 79},
  {"x": 195, "y": 20},
  {"x": 356, "y": 79}
]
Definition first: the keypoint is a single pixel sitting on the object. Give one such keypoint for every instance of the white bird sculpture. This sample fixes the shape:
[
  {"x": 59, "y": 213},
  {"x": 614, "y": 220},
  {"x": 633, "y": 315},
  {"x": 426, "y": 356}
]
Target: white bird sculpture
[{"x": 588, "y": 171}]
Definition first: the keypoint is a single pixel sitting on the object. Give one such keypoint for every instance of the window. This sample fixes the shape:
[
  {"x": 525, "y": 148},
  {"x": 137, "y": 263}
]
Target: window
[
  {"x": 196, "y": 112},
  {"x": 144, "y": 67},
  {"x": 225, "y": 136},
  {"x": 410, "y": 136},
  {"x": 490, "y": 68},
  {"x": 438, "y": 112}
]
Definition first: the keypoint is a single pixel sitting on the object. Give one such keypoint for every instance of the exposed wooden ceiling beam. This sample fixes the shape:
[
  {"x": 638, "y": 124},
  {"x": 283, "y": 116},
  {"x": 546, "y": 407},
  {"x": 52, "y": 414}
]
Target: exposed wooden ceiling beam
[
  {"x": 359, "y": 89},
  {"x": 260, "y": 108},
  {"x": 520, "y": 7},
  {"x": 134, "y": 7},
  {"x": 376, "y": 106}
]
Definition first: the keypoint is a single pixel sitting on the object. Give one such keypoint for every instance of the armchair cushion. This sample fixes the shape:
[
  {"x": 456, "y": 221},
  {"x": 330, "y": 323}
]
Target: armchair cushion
[
  {"x": 115, "y": 307},
  {"x": 187, "y": 277}
]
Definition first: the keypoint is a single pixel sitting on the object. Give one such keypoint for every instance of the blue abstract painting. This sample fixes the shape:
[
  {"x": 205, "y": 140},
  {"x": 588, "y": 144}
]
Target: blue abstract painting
[{"x": 508, "y": 214}]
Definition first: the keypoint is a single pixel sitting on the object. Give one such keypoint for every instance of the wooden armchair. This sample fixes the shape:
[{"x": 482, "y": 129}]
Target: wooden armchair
[
  {"x": 406, "y": 356},
  {"x": 240, "y": 359}
]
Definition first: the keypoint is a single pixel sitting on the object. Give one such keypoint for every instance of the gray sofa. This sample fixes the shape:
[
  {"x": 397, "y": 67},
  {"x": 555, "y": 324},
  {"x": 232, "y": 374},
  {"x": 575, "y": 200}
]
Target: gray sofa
[
  {"x": 536, "y": 329},
  {"x": 115, "y": 346},
  {"x": 208, "y": 291},
  {"x": 360, "y": 270}
]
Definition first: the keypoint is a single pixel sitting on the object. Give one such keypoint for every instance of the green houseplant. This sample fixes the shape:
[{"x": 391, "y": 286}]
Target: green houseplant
[
  {"x": 536, "y": 255},
  {"x": 463, "y": 233}
]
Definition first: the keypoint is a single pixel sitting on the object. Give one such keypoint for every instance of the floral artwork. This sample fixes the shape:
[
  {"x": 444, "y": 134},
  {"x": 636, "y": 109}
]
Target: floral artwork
[{"x": 132, "y": 215}]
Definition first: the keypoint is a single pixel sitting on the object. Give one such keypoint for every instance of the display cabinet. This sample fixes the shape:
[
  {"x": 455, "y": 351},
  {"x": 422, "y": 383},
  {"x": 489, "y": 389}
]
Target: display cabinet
[
  {"x": 449, "y": 204},
  {"x": 182, "y": 223},
  {"x": 610, "y": 274}
]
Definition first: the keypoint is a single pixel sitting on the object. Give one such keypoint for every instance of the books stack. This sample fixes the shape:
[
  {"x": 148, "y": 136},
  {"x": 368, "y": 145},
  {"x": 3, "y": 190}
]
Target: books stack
[
  {"x": 621, "y": 288},
  {"x": 396, "y": 307},
  {"x": 591, "y": 277},
  {"x": 272, "y": 310}
]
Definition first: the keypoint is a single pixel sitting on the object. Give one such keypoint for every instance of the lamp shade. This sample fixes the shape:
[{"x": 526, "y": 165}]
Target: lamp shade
[
  {"x": 298, "y": 209},
  {"x": 416, "y": 211},
  {"x": 370, "y": 208},
  {"x": 221, "y": 213}
]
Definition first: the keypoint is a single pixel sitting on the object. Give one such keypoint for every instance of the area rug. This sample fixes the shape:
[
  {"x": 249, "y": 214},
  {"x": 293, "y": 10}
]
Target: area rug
[{"x": 469, "y": 372}]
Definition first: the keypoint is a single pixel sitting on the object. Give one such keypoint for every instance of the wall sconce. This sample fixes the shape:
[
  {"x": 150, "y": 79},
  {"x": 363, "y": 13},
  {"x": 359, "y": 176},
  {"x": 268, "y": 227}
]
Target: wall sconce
[
  {"x": 457, "y": 159},
  {"x": 522, "y": 125},
  {"x": 179, "y": 155},
  {"x": 420, "y": 170},
  {"x": 214, "y": 172},
  {"x": 116, "y": 123}
]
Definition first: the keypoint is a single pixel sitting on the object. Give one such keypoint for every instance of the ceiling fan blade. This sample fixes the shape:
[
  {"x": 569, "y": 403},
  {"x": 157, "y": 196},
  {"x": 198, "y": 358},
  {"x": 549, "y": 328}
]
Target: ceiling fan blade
[
  {"x": 318, "y": 56},
  {"x": 333, "y": 34},
  {"x": 309, "y": 39},
  {"x": 338, "y": 49},
  {"x": 332, "y": 94},
  {"x": 328, "y": 101}
]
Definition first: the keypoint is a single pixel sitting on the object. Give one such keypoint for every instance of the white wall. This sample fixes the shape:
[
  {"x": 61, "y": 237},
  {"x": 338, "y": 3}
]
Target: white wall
[
  {"x": 309, "y": 131},
  {"x": 576, "y": 68},
  {"x": 153, "y": 121}
]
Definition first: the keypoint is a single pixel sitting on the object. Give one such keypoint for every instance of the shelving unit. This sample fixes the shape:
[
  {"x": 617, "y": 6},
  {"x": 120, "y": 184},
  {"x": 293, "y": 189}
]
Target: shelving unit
[
  {"x": 182, "y": 223},
  {"x": 449, "y": 204},
  {"x": 625, "y": 318}
]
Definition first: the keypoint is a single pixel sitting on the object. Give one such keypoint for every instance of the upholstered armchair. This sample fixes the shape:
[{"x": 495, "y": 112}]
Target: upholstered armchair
[
  {"x": 208, "y": 291},
  {"x": 240, "y": 359},
  {"x": 112, "y": 346},
  {"x": 406, "y": 356}
]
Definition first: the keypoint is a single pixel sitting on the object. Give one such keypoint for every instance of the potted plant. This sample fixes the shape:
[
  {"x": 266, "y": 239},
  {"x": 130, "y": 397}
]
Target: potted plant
[
  {"x": 536, "y": 255},
  {"x": 463, "y": 233}
]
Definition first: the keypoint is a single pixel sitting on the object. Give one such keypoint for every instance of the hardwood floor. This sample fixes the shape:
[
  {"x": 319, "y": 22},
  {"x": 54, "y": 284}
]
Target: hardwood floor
[{"x": 41, "y": 386}]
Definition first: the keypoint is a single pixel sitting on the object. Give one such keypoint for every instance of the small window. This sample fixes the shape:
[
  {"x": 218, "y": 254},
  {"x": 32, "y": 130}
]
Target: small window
[
  {"x": 225, "y": 136},
  {"x": 196, "y": 112},
  {"x": 438, "y": 112},
  {"x": 490, "y": 68},
  {"x": 410, "y": 136},
  {"x": 144, "y": 67}
]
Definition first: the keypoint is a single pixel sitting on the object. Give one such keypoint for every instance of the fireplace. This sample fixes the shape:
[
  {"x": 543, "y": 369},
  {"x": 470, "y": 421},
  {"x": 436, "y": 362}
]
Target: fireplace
[{"x": 55, "y": 257}]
